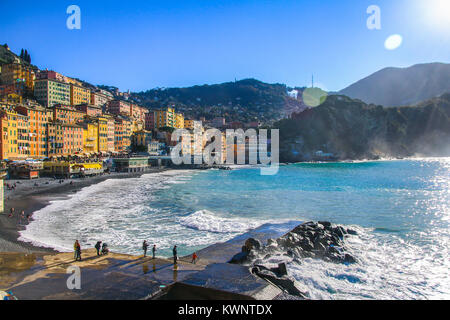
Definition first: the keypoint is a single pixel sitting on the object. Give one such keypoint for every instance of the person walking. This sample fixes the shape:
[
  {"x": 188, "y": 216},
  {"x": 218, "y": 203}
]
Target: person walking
[
  {"x": 145, "y": 247},
  {"x": 194, "y": 258},
  {"x": 154, "y": 250},
  {"x": 175, "y": 255},
  {"x": 98, "y": 245}
]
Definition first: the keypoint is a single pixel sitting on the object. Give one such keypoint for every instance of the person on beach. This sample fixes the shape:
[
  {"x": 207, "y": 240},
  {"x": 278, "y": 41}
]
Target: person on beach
[
  {"x": 145, "y": 247},
  {"x": 77, "y": 248},
  {"x": 194, "y": 258},
  {"x": 11, "y": 212},
  {"x": 175, "y": 255},
  {"x": 98, "y": 246},
  {"x": 22, "y": 216},
  {"x": 154, "y": 250}
]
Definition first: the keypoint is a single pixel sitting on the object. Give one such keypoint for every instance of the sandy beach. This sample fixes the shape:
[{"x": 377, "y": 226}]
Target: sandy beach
[{"x": 32, "y": 195}]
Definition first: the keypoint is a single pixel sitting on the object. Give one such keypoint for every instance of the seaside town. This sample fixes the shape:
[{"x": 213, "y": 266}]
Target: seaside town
[{"x": 56, "y": 126}]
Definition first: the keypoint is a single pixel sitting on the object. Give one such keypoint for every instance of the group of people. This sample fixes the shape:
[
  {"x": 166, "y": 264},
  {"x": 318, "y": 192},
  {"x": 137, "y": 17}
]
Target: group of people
[
  {"x": 102, "y": 249},
  {"x": 22, "y": 216},
  {"x": 174, "y": 252}
]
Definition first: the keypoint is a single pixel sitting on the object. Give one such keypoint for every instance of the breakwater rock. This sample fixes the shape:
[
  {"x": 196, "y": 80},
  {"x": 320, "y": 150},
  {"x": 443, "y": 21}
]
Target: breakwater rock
[{"x": 319, "y": 240}]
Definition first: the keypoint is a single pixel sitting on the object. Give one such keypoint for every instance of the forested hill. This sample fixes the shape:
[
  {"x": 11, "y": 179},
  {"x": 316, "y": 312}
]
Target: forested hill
[
  {"x": 245, "y": 100},
  {"x": 351, "y": 129}
]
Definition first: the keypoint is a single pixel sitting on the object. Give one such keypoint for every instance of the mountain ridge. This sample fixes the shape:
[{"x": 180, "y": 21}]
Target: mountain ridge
[{"x": 393, "y": 86}]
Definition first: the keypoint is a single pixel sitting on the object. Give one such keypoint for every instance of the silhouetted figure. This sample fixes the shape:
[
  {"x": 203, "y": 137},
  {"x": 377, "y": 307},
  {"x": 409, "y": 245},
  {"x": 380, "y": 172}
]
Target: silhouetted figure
[
  {"x": 175, "y": 255},
  {"x": 98, "y": 246},
  {"x": 145, "y": 247}
]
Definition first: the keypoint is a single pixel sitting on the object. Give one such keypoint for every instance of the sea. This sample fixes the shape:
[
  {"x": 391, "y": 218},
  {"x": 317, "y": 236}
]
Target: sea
[{"x": 400, "y": 209}]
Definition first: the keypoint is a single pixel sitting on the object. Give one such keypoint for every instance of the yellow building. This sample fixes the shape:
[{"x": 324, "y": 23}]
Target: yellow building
[
  {"x": 23, "y": 137},
  {"x": 179, "y": 121},
  {"x": 18, "y": 72},
  {"x": 79, "y": 95},
  {"x": 102, "y": 134},
  {"x": 9, "y": 143},
  {"x": 165, "y": 118},
  {"x": 90, "y": 136}
]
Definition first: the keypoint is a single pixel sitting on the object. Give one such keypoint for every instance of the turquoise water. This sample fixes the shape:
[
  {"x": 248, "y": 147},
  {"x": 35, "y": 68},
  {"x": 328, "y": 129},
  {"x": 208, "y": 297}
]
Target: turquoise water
[{"x": 401, "y": 210}]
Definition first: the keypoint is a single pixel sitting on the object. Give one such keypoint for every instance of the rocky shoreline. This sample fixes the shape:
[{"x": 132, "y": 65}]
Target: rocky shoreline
[{"x": 319, "y": 240}]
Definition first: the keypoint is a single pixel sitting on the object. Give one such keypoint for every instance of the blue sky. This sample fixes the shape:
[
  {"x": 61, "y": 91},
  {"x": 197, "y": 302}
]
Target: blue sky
[{"x": 140, "y": 45}]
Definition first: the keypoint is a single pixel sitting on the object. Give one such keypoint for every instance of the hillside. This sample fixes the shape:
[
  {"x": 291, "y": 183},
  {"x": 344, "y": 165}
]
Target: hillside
[
  {"x": 245, "y": 100},
  {"x": 402, "y": 86},
  {"x": 352, "y": 129}
]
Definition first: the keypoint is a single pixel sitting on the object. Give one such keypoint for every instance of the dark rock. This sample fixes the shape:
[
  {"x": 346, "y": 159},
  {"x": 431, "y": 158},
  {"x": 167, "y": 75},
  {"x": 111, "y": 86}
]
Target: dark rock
[
  {"x": 326, "y": 224},
  {"x": 252, "y": 243},
  {"x": 281, "y": 270},
  {"x": 349, "y": 258},
  {"x": 352, "y": 232},
  {"x": 241, "y": 257},
  {"x": 285, "y": 283}
]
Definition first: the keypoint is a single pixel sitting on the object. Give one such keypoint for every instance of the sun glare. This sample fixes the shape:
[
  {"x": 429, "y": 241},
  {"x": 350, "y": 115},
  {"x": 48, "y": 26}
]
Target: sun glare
[{"x": 437, "y": 14}]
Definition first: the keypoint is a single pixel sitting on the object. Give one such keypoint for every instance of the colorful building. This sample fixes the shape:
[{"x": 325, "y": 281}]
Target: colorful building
[
  {"x": 90, "y": 136},
  {"x": 89, "y": 109},
  {"x": 179, "y": 121},
  {"x": 79, "y": 95},
  {"x": 50, "y": 92},
  {"x": 64, "y": 139},
  {"x": 150, "y": 120},
  {"x": 192, "y": 124},
  {"x": 38, "y": 118},
  {"x": 142, "y": 138},
  {"x": 165, "y": 118},
  {"x": 67, "y": 114},
  {"x": 119, "y": 107},
  {"x": 9, "y": 143},
  {"x": 102, "y": 134},
  {"x": 100, "y": 99},
  {"x": 23, "y": 137},
  {"x": 16, "y": 72},
  {"x": 111, "y": 127},
  {"x": 122, "y": 134}
]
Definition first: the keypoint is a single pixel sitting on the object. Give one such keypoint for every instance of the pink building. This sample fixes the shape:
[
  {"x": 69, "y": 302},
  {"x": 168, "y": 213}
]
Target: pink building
[
  {"x": 119, "y": 107},
  {"x": 90, "y": 110},
  {"x": 150, "y": 120}
]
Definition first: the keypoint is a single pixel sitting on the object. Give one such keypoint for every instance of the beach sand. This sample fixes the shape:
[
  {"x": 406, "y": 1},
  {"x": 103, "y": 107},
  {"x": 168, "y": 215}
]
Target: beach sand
[{"x": 30, "y": 198}]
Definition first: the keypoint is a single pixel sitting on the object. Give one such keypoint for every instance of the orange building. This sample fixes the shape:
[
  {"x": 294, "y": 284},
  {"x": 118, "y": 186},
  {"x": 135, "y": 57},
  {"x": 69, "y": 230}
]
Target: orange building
[
  {"x": 79, "y": 95},
  {"x": 64, "y": 139},
  {"x": 67, "y": 114},
  {"x": 38, "y": 118}
]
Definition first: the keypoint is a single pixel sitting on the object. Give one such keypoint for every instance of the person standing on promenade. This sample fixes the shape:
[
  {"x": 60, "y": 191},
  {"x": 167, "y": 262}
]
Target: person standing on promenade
[
  {"x": 194, "y": 258},
  {"x": 75, "y": 247},
  {"x": 154, "y": 250},
  {"x": 98, "y": 246},
  {"x": 78, "y": 251},
  {"x": 175, "y": 256},
  {"x": 145, "y": 247}
]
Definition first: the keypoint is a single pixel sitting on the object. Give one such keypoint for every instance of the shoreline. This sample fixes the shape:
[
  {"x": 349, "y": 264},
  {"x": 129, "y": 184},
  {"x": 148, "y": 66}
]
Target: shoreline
[{"x": 31, "y": 198}]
